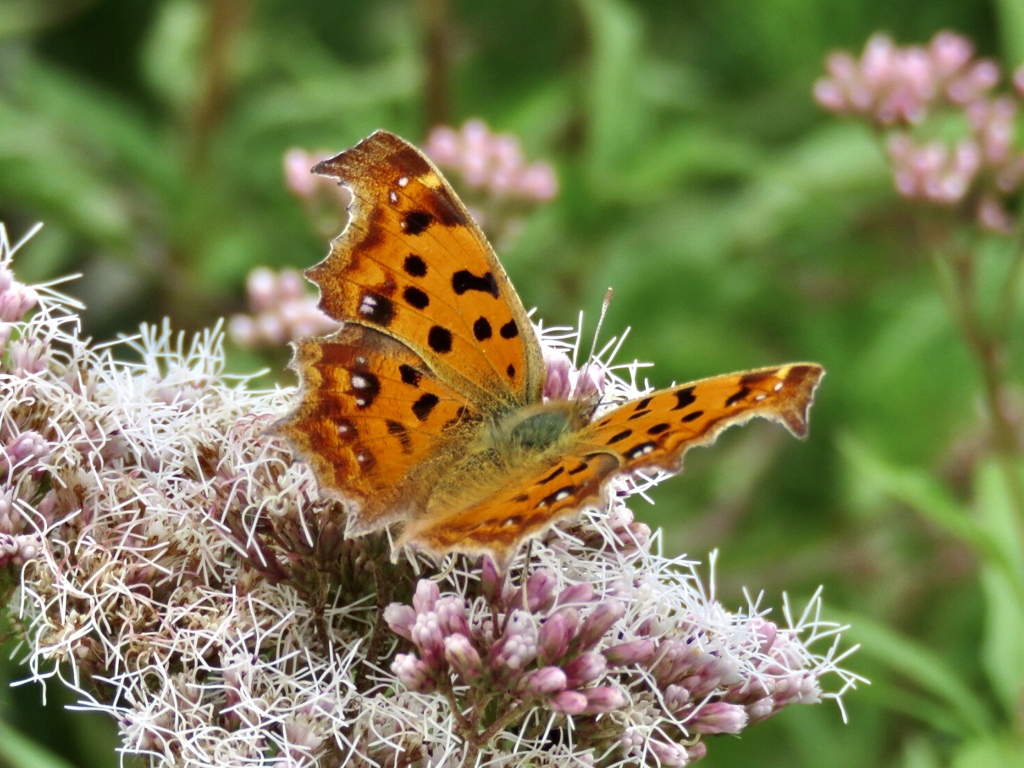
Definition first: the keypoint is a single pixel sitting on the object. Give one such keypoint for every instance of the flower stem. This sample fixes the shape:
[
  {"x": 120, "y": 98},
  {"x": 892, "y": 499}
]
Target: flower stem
[{"x": 988, "y": 347}]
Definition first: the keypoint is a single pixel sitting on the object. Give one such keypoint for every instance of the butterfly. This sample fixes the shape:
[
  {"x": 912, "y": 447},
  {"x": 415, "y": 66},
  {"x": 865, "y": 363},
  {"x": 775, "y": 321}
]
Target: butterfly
[{"x": 426, "y": 408}]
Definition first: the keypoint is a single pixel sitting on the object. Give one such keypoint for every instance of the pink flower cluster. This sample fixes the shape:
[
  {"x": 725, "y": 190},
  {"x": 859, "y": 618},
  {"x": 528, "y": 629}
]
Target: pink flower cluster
[
  {"x": 892, "y": 86},
  {"x": 488, "y": 170},
  {"x": 24, "y": 450},
  {"x": 573, "y": 650},
  {"x": 904, "y": 90},
  {"x": 529, "y": 644},
  {"x": 492, "y": 163},
  {"x": 282, "y": 310}
]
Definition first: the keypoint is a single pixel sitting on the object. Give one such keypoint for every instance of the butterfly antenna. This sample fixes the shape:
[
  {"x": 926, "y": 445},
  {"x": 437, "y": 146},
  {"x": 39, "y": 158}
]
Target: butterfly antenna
[{"x": 593, "y": 343}]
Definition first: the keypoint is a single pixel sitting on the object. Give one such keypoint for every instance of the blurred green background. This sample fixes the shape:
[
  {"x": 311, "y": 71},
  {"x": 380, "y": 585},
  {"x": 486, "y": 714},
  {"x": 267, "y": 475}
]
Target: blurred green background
[{"x": 739, "y": 225}]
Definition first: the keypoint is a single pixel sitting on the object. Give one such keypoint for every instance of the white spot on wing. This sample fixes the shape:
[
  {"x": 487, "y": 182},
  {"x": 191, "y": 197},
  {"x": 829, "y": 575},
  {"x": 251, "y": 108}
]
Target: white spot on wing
[{"x": 368, "y": 304}]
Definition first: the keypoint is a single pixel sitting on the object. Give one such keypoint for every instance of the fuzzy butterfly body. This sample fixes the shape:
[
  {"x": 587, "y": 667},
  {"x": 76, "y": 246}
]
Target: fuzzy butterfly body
[{"x": 426, "y": 408}]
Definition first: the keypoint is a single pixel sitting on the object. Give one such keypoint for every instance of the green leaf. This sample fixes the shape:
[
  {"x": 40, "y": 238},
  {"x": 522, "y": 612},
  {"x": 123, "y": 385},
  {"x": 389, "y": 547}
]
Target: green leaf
[
  {"x": 923, "y": 493},
  {"x": 18, "y": 751},
  {"x": 1007, "y": 752},
  {"x": 1003, "y": 657},
  {"x": 952, "y": 706}
]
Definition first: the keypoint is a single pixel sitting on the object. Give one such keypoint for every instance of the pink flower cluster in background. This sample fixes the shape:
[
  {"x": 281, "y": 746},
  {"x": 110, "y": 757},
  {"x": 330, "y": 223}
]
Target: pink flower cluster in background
[
  {"x": 492, "y": 163},
  {"x": 912, "y": 93}
]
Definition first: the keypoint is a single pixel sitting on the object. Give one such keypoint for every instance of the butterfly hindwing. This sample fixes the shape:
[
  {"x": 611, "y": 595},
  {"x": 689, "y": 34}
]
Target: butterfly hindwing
[
  {"x": 373, "y": 421},
  {"x": 655, "y": 430},
  {"x": 413, "y": 264},
  {"x": 652, "y": 432}
]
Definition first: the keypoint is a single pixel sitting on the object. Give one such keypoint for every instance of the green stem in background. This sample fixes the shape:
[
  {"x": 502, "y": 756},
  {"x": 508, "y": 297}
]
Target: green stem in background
[
  {"x": 437, "y": 28},
  {"x": 987, "y": 344},
  {"x": 224, "y": 18}
]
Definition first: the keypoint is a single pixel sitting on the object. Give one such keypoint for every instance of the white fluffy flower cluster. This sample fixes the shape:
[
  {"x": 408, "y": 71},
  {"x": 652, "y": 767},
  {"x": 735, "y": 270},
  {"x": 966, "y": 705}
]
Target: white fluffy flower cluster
[{"x": 169, "y": 553}]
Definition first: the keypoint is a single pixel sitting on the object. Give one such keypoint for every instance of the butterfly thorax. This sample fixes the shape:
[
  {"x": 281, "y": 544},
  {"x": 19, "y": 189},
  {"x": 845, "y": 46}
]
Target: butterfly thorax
[
  {"x": 508, "y": 444},
  {"x": 535, "y": 429}
]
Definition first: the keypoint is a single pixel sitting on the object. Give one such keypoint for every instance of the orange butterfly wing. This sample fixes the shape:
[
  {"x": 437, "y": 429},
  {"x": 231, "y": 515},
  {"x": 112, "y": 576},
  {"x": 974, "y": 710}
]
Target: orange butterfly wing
[
  {"x": 413, "y": 264},
  {"x": 652, "y": 432},
  {"x": 366, "y": 423}
]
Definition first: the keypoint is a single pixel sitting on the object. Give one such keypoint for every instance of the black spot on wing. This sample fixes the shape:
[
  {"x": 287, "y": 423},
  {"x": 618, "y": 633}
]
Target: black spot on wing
[
  {"x": 440, "y": 339},
  {"x": 684, "y": 397},
  {"x": 416, "y": 297},
  {"x": 365, "y": 387},
  {"x": 509, "y": 330},
  {"x": 657, "y": 429},
  {"x": 424, "y": 405},
  {"x": 346, "y": 429},
  {"x": 641, "y": 450},
  {"x": 754, "y": 378},
  {"x": 511, "y": 371},
  {"x": 620, "y": 436},
  {"x": 545, "y": 480},
  {"x": 560, "y": 495},
  {"x": 376, "y": 308},
  {"x": 415, "y": 266},
  {"x": 464, "y": 280},
  {"x": 416, "y": 222},
  {"x": 398, "y": 430},
  {"x": 736, "y": 396},
  {"x": 462, "y": 415},
  {"x": 409, "y": 375},
  {"x": 692, "y": 415},
  {"x": 482, "y": 329}
]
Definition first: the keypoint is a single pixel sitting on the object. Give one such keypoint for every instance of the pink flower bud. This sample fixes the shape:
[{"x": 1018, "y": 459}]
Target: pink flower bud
[
  {"x": 545, "y": 681},
  {"x": 585, "y": 668},
  {"x": 557, "y": 382},
  {"x": 633, "y": 652},
  {"x": 298, "y": 175},
  {"x": 603, "y": 699},
  {"x": 426, "y": 595},
  {"x": 600, "y": 621},
  {"x": 676, "y": 697},
  {"x": 568, "y": 703},
  {"x": 719, "y": 717},
  {"x": 427, "y": 635},
  {"x": 555, "y": 634},
  {"x": 576, "y": 594},
  {"x": 540, "y": 588},
  {"x": 401, "y": 619},
  {"x": 451, "y": 615},
  {"x": 463, "y": 656},
  {"x": 518, "y": 646},
  {"x": 668, "y": 753},
  {"x": 492, "y": 580},
  {"x": 413, "y": 673}
]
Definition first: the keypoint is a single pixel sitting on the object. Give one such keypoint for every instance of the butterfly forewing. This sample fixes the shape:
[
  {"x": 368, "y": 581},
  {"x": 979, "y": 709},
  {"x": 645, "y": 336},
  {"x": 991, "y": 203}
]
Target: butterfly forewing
[
  {"x": 655, "y": 430},
  {"x": 372, "y": 421},
  {"x": 413, "y": 264}
]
